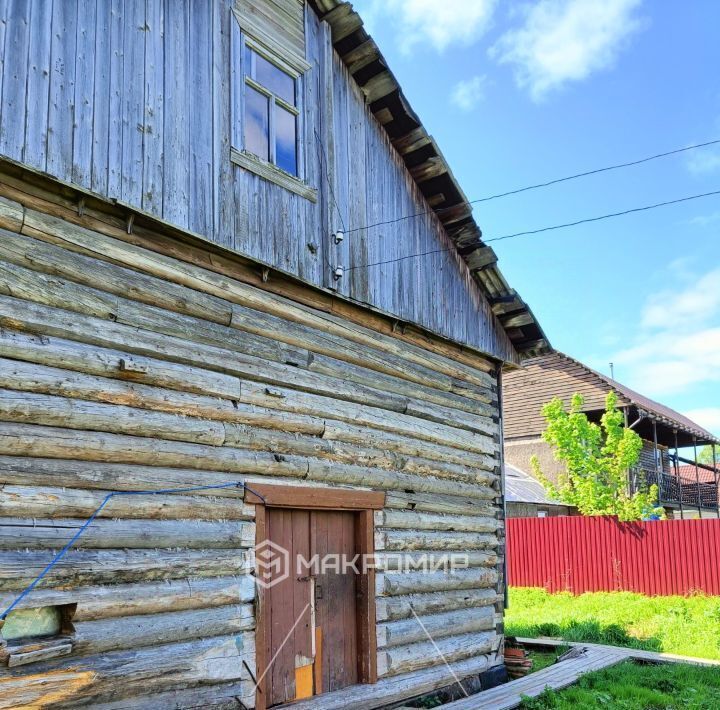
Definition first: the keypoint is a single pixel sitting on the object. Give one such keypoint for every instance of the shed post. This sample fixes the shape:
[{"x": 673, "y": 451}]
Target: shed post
[
  {"x": 716, "y": 477},
  {"x": 697, "y": 476},
  {"x": 658, "y": 469},
  {"x": 677, "y": 475}
]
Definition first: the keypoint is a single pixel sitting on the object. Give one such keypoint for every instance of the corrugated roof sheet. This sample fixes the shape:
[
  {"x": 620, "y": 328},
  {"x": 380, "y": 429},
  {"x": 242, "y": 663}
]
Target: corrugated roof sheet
[{"x": 521, "y": 487}]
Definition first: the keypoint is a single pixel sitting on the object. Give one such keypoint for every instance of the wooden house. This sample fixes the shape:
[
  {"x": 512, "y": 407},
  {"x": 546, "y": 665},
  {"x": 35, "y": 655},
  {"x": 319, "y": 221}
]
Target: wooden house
[
  {"x": 668, "y": 437},
  {"x": 193, "y": 299}
]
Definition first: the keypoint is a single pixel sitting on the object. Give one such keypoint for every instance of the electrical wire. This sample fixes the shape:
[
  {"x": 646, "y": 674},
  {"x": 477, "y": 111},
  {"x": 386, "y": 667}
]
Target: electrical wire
[
  {"x": 544, "y": 229},
  {"x": 539, "y": 185}
]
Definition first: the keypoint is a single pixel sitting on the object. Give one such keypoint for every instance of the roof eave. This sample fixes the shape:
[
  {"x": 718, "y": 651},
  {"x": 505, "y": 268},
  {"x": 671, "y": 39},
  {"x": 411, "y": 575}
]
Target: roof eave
[{"x": 430, "y": 172}]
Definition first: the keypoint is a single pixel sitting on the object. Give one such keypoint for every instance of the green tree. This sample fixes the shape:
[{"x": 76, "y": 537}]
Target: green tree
[
  {"x": 705, "y": 455},
  {"x": 597, "y": 459}
]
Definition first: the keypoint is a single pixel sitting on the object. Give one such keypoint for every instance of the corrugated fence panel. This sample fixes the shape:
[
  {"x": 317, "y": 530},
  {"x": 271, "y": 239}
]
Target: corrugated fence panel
[{"x": 600, "y": 554}]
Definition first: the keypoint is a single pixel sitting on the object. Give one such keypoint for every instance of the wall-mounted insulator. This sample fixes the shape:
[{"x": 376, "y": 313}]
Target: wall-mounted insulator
[
  {"x": 339, "y": 236},
  {"x": 338, "y": 273}
]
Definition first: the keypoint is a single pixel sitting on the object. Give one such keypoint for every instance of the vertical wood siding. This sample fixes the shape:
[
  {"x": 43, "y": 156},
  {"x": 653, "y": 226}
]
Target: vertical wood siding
[
  {"x": 132, "y": 99},
  {"x": 599, "y": 554},
  {"x": 125, "y": 369}
]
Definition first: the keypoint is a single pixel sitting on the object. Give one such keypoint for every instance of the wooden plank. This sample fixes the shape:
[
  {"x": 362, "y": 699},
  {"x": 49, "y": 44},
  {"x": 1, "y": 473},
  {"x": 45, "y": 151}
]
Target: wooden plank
[
  {"x": 153, "y": 121},
  {"x": 310, "y": 498},
  {"x": 62, "y": 90},
  {"x": 38, "y": 86},
  {"x": 116, "y": 105},
  {"x": 83, "y": 101},
  {"x": 100, "y": 133}
]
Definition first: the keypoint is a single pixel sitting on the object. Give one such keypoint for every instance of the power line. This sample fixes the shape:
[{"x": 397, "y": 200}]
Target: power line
[
  {"x": 544, "y": 229},
  {"x": 540, "y": 185}
]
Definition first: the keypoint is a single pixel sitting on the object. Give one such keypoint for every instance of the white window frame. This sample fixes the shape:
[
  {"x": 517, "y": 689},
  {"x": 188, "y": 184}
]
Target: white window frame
[{"x": 295, "y": 67}]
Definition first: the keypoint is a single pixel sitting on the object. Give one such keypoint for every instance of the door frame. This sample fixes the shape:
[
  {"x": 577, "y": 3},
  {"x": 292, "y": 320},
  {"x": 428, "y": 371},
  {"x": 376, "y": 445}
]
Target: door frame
[{"x": 364, "y": 503}]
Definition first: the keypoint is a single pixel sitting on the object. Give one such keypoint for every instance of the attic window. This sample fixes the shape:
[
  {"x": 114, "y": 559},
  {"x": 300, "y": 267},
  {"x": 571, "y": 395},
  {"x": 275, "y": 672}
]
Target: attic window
[{"x": 271, "y": 115}]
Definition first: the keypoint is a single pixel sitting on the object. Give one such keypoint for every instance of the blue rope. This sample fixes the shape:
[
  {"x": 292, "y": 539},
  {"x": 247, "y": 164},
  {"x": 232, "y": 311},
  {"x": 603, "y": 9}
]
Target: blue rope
[{"x": 97, "y": 512}]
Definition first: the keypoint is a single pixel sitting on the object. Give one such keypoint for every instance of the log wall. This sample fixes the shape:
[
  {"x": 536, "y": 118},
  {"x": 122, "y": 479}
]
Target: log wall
[{"x": 124, "y": 367}]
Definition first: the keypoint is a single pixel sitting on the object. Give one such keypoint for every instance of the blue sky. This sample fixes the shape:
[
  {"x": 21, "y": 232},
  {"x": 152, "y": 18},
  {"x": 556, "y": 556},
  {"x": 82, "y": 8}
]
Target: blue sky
[{"x": 519, "y": 93}]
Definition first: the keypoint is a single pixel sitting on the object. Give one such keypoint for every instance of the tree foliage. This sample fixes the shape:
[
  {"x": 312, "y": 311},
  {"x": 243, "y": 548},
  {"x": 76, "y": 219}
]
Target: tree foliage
[
  {"x": 705, "y": 455},
  {"x": 597, "y": 459}
]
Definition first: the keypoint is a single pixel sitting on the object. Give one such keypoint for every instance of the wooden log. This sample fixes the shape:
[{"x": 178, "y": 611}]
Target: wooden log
[
  {"x": 390, "y": 608},
  {"x": 218, "y": 696},
  {"x": 398, "y": 584},
  {"x": 47, "y": 472},
  {"x": 28, "y": 377},
  {"x": 391, "y": 540},
  {"x": 101, "y": 246},
  {"x": 436, "y": 626},
  {"x": 11, "y": 214},
  {"x": 458, "y": 395},
  {"x": 398, "y": 561},
  {"x": 92, "y": 567},
  {"x": 119, "y": 600},
  {"x": 130, "y": 632},
  {"x": 453, "y": 505},
  {"x": 111, "y": 278},
  {"x": 391, "y": 690},
  {"x": 431, "y": 521},
  {"x": 17, "y": 501},
  {"x": 17, "y": 533},
  {"x": 413, "y": 657},
  {"x": 55, "y": 442},
  {"x": 481, "y": 422},
  {"x": 48, "y": 410},
  {"x": 121, "y": 674}
]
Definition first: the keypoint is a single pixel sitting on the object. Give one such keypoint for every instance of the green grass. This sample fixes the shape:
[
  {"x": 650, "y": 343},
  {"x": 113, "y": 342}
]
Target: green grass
[
  {"x": 631, "y": 686},
  {"x": 688, "y": 626},
  {"x": 543, "y": 659}
]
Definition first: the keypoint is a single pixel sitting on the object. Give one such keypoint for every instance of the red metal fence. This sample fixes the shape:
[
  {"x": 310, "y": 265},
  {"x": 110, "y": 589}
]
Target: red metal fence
[{"x": 595, "y": 554}]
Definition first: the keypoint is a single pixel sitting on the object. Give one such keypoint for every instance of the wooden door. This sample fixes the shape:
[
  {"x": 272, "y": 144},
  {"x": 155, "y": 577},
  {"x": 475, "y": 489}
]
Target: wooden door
[{"x": 312, "y": 649}]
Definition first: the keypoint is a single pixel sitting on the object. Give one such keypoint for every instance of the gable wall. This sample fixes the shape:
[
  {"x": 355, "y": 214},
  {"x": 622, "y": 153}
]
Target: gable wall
[{"x": 131, "y": 99}]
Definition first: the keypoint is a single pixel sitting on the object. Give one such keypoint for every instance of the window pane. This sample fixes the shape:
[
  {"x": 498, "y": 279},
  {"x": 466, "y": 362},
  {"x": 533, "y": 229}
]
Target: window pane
[
  {"x": 274, "y": 79},
  {"x": 247, "y": 61},
  {"x": 285, "y": 140},
  {"x": 257, "y": 131}
]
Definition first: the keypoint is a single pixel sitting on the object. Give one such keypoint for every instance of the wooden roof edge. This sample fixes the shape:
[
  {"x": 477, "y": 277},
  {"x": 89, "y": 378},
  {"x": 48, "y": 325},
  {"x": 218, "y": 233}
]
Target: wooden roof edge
[
  {"x": 649, "y": 407},
  {"x": 428, "y": 167}
]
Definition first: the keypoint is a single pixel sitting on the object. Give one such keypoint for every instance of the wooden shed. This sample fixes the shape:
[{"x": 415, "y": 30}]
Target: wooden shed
[{"x": 210, "y": 358}]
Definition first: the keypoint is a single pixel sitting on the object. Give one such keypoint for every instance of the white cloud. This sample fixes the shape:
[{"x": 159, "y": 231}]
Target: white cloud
[
  {"x": 696, "y": 304},
  {"x": 703, "y": 220},
  {"x": 469, "y": 92},
  {"x": 707, "y": 417},
  {"x": 678, "y": 340},
  {"x": 566, "y": 40},
  {"x": 440, "y": 24},
  {"x": 704, "y": 161}
]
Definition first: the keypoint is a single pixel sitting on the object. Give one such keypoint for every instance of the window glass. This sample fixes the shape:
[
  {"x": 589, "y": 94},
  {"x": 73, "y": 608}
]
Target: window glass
[
  {"x": 25, "y": 623},
  {"x": 257, "y": 128},
  {"x": 285, "y": 140},
  {"x": 274, "y": 79}
]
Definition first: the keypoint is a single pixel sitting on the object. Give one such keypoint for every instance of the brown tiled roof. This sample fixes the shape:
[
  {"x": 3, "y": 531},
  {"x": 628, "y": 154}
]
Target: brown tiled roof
[{"x": 526, "y": 389}]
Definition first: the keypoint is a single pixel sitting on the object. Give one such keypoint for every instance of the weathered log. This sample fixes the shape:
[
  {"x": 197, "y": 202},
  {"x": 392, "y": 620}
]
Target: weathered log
[
  {"x": 91, "y": 567},
  {"x": 55, "y": 442},
  {"x": 413, "y": 520},
  {"x": 41, "y": 379},
  {"x": 11, "y": 214},
  {"x": 429, "y": 559},
  {"x": 130, "y": 632},
  {"x": 413, "y": 657},
  {"x": 453, "y": 505},
  {"x": 397, "y": 584},
  {"x": 426, "y": 540},
  {"x": 116, "y": 600},
  {"x": 390, "y": 608},
  {"x": 118, "y": 674},
  {"x": 200, "y": 279},
  {"x": 17, "y": 533},
  {"x": 17, "y": 501},
  {"x": 436, "y": 626},
  {"x": 112, "y": 476},
  {"x": 388, "y": 691}
]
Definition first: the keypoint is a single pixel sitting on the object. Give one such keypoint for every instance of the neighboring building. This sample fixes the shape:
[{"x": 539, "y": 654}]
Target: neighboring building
[
  {"x": 176, "y": 312},
  {"x": 664, "y": 431},
  {"x": 525, "y": 497}
]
